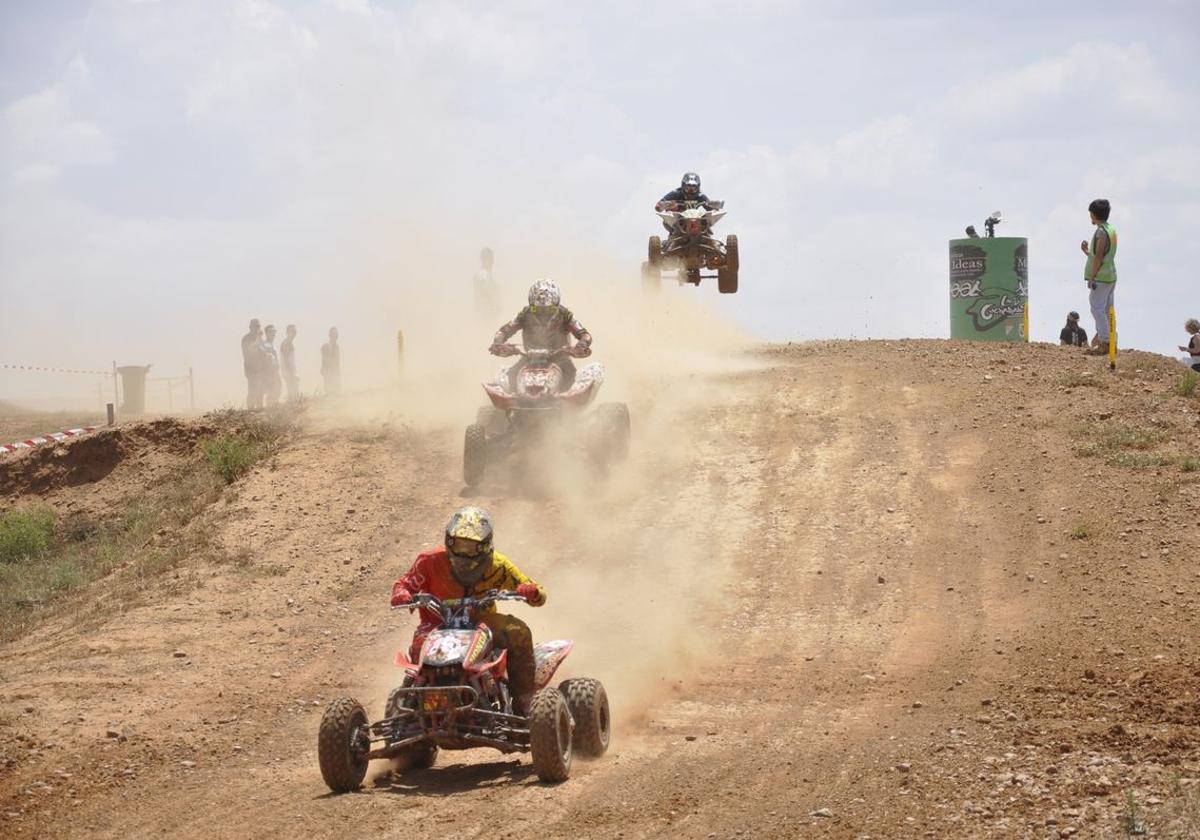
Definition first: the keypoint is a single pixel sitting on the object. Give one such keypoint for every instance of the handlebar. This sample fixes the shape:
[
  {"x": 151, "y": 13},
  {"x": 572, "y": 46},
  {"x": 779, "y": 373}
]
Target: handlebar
[
  {"x": 423, "y": 600},
  {"x": 576, "y": 351},
  {"x": 678, "y": 206}
]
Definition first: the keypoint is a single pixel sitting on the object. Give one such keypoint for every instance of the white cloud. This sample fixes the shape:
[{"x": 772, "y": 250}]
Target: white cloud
[{"x": 41, "y": 129}]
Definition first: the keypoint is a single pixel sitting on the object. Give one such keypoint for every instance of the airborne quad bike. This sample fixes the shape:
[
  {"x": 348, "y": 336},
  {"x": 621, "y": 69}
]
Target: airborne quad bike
[
  {"x": 518, "y": 421},
  {"x": 456, "y": 697},
  {"x": 690, "y": 247}
]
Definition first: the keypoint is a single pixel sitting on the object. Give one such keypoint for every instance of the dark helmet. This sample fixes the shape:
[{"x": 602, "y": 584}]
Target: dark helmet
[
  {"x": 469, "y": 544},
  {"x": 690, "y": 184},
  {"x": 1072, "y": 316}
]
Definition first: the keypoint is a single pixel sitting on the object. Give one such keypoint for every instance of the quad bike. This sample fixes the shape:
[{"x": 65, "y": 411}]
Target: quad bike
[
  {"x": 456, "y": 697},
  {"x": 519, "y": 417},
  {"x": 690, "y": 247}
]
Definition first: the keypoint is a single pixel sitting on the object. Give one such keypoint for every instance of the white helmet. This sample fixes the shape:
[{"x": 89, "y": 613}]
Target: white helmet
[{"x": 544, "y": 295}]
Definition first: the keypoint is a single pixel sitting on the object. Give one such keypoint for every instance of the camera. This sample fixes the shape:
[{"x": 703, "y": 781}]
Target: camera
[{"x": 990, "y": 223}]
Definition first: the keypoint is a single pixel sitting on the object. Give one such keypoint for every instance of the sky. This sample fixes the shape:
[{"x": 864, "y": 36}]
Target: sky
[{"x": 170, "y": 169}]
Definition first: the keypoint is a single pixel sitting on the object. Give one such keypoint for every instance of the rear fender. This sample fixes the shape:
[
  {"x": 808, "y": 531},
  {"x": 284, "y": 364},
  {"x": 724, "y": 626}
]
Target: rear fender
[{"x": 546, "y": 658}]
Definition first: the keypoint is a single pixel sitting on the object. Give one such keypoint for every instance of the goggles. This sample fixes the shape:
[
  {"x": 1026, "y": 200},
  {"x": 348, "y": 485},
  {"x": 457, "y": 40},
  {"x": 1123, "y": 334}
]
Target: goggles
[{"x": 464, "y": 547}]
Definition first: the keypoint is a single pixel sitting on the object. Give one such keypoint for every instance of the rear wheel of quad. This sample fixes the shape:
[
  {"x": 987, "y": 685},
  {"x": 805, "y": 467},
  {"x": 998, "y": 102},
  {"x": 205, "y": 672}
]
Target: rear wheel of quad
[
  {"x": 418, "y": 756},
  {"x": 654, "y": 250},
  {"x": 727, "y": 275},
  {"x": 550, "y": 735},
  {"x": 474, "y": 454},
  {"x": 727, "y": 280},
  {"x": 342, "y": 745},
  {"x": 651, "y": 278},
  {"x": 588, "y": 704},
  {"x": 613, "y": 419}
]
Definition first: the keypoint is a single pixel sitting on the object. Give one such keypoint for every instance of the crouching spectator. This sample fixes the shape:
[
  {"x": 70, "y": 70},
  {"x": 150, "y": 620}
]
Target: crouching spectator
[{"x": 1072, "y": 334}]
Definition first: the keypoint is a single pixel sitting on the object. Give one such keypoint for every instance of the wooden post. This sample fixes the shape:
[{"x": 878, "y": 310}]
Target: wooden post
[
  {"x": 400, "y": 349},
  {"x": 116, "y": 393},
  {"x": 112, "y": 415},
  {"x": 191, "y": 391}
]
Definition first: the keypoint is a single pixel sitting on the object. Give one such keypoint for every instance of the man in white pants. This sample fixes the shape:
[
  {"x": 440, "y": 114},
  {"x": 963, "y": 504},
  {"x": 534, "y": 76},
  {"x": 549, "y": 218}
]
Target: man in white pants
[{"x": 1100, "y": 273}]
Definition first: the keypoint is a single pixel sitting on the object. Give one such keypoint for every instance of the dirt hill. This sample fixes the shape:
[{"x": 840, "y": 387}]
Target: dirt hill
[{"x": 885, "y": 589}]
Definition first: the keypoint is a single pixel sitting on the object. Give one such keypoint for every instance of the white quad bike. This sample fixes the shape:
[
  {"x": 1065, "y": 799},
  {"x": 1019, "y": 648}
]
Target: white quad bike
[
  {"x": 691, "y": 247},
  {"x": 518, "y": 421}
]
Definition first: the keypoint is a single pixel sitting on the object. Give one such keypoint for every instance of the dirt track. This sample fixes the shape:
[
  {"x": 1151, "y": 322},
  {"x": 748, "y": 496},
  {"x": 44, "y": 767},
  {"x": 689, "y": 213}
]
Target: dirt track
[{"x": 844, "y": 591}]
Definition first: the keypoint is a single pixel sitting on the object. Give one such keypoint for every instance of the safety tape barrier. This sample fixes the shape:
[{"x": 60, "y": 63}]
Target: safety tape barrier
[
  {"x": 56, "y": 370},
  {"x": 54, "y": 437}
]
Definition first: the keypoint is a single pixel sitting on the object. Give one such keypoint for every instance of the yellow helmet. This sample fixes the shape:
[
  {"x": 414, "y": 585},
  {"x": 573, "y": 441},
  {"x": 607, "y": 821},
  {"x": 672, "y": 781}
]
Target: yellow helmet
[{"x": 469, "y": 544}]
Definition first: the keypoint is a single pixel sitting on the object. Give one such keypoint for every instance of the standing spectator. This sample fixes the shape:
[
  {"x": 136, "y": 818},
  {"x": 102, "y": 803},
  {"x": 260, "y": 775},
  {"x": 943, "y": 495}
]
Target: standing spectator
[
  {"x": 271, "y": 382},
  {"x": 287, "y": 359},
  {"x": 1192, "y": 348},
  {"x": 486, "y": 299},
  {"x": 252, "y": 364},
  {"x": 331, "y": 364},
  {"x": 1072, "y": 334},
  {"x": 1100, "y": 272}
]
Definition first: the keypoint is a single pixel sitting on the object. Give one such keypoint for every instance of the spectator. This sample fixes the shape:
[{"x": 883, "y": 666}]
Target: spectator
[
  {"x": 1072, "y": 334},
  {"x": 331, "y": 364},
  {"x": 486, "y": 299},
  {"x": 1192, "y": 348},
  {"x": 1100, "y": 272},
  {"x": 271, "y": 383},
  {"x": 252, "y": 364},
  {"x": 287, "y": 359}
]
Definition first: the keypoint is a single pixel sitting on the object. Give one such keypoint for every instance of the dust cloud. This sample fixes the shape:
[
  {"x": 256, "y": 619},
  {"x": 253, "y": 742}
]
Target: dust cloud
[{"x": 630, "y": 558}]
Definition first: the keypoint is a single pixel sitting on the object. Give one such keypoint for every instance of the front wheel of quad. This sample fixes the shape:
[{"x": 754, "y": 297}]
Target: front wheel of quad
[
  {"x": 474, "y": 454},
  {"x": 651, "y": 278},
  {"x": 489, "y": 417},
  {"x": 613, "y": 419},
  {"x": 588, "y": 704},
  {"x": 550, "y": 735},
  {"x": 417, "y": 756},
  {"x": 343, "y": 744},
  {"x": 654, "y": 250}
]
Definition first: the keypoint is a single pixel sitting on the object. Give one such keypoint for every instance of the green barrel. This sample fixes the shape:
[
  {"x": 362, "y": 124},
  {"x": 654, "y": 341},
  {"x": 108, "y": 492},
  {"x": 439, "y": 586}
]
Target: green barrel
[{"x": 989, "y": 288}]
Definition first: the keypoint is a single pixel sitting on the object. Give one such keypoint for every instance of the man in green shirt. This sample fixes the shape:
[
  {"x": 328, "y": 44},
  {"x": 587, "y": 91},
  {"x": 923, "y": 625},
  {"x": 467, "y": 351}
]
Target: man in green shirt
[{"x": 1100, "y": 272}]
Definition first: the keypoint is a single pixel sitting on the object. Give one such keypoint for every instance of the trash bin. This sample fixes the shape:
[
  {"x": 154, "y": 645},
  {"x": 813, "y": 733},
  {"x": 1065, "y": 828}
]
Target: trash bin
[
  {"x": 133, "y": 386},
  {"x": 989, "y": 288}
]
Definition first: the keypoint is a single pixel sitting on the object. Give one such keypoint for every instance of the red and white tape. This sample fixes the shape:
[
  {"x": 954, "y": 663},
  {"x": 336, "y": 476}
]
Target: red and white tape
[
  {"x": 54, "y": 437},
  {"x": 44, "y": 369}
]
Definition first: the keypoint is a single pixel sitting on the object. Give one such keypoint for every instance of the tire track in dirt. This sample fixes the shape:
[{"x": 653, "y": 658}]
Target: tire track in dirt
[{"x": 825, "y": 572}]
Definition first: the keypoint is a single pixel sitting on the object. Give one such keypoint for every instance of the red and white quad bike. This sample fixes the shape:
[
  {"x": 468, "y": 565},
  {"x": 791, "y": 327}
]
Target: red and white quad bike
[
  {"x": 690, "y": 247},
  {"x": 518, "y": 420},
  {"x": 456, "y": 697}
]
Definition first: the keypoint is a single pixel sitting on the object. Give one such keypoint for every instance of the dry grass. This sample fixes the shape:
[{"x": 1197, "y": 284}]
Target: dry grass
[
  {"x": 1186, "y": 386},
  {"x": 163, "y": 528}
]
